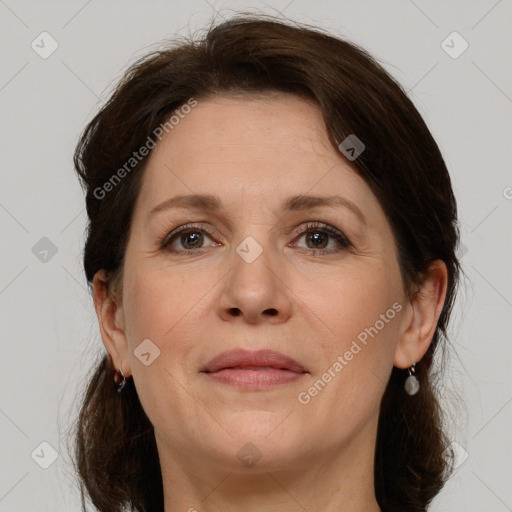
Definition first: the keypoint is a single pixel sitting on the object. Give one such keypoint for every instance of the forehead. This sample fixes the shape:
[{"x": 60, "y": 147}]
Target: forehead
[{"x": 267, "y": 148}]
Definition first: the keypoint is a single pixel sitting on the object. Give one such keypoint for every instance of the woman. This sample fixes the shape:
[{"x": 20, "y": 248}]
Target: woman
[{"x": 271, "y": 251}]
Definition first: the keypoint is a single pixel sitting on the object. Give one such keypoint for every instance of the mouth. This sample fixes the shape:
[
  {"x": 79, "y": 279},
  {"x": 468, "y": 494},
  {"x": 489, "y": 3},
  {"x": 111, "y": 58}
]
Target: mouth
[{"x": 253, "y": 370}]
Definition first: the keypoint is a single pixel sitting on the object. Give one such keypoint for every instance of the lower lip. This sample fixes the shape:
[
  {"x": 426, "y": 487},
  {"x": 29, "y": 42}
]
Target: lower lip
[{"x": 254, "y": 380}]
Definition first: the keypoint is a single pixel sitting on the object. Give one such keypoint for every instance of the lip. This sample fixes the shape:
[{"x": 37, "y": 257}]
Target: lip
[
  {"x": 255, "y": 358},
  {"x": 253, "y": 370}
]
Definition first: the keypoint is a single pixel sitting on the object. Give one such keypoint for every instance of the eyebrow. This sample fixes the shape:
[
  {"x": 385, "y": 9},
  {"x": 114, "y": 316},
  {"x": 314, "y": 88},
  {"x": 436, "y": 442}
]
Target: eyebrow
[{"x": 208, "y": 202}]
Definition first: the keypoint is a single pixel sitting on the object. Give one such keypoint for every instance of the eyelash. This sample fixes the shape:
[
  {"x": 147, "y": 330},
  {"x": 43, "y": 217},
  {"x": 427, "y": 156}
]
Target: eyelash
[{"x": 318, "y": 227}]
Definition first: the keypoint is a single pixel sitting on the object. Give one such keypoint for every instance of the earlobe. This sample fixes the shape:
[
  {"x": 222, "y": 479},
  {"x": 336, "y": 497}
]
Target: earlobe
[
  {"x": 111, "y": 322},
  {"x": 426, "y": 307}
]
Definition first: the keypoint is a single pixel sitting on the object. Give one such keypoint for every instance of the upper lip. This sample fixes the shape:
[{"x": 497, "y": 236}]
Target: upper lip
[{"x": 242, "y": 358}]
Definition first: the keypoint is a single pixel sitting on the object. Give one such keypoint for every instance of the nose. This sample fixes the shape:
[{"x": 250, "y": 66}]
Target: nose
[{"x": 255, "y": 291}]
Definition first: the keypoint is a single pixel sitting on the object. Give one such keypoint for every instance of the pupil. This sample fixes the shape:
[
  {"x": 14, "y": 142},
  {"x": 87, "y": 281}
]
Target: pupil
[
  {"x": 316, "y": 238},
  {"x": 190, "y": 239}
]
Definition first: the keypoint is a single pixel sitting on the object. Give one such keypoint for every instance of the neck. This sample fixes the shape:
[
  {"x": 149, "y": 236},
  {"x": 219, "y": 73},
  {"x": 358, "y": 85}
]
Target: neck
[{"x": 340, "y": 480}]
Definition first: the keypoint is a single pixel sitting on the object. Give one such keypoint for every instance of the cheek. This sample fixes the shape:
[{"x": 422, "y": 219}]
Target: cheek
[
  {"x": 167, "y": 309},
  {"x": 361, "y": 312},
  {"x": 157, "y": 302},
  {"x": 354, "y": 298},
  {"x": 170, "y": 308}
]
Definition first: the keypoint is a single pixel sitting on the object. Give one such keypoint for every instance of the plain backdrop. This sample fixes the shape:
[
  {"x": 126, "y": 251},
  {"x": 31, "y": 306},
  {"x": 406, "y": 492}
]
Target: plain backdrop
[{"x": 49, "y": 334}]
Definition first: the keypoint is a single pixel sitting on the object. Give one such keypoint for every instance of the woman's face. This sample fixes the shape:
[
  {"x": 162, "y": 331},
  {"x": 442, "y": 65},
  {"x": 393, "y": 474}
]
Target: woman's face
[{"x": 250, "y": 274}]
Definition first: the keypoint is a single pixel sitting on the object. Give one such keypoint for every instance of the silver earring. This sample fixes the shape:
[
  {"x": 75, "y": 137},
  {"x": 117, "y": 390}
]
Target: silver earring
[
  {"x": 412, "y": 384},
  {"x": 119, "y": 385}
]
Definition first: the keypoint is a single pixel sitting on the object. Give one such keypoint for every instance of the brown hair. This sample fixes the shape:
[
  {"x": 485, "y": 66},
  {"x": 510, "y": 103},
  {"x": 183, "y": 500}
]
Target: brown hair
[{"x": 115, "y": 449}]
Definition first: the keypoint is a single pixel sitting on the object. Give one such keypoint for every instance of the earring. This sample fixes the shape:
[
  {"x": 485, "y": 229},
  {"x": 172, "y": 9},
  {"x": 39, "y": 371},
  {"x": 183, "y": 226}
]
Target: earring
[
  {"x": 119, "y": 385},
  {"x": 412, "y": 384}
]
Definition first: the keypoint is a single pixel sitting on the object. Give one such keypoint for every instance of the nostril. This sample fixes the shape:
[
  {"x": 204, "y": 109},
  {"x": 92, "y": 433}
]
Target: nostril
[
  {"x": 271, "y": 311},
  {"x": 234, "y": 311}
]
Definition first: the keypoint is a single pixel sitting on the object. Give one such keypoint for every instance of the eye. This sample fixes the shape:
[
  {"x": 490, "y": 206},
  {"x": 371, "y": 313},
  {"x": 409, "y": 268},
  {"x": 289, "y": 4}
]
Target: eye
[
  {"x": 318, "y": 235},
  {"x": 186, "y": 239},
  {"x": 191, "y": 238}
]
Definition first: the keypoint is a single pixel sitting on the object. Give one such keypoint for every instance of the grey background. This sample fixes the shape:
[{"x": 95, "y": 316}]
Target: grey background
[{"x": 49, "y": 333}]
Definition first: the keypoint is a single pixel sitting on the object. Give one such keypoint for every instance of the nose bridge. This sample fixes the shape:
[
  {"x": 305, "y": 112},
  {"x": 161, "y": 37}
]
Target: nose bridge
[
  {"x": 252, "y": 261},
  {"x": 255, "y": 242},
  {"x": 252, "y": 288}
]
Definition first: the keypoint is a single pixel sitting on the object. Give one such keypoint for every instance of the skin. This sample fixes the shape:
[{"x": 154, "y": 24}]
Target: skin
[{"x": 254, "y": 153}]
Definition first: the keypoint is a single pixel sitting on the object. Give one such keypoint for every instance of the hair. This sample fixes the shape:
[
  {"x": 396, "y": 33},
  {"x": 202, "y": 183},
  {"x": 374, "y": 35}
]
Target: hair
[{"x": 115, "y": 449}]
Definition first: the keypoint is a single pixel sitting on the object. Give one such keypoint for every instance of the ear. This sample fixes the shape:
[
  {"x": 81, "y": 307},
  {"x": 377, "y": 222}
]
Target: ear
[
  {"x": 111, "y": 322},
  {"x": 426, "y": 307}
]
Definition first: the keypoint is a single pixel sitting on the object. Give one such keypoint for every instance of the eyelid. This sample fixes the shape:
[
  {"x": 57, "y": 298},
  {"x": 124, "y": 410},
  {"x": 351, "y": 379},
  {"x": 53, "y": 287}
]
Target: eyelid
[{"x": 314, "y": 224}]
